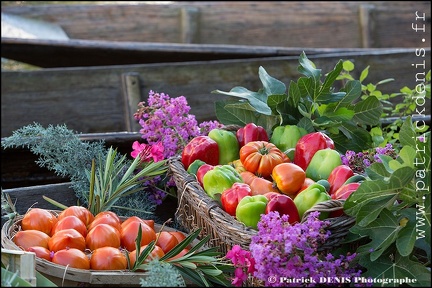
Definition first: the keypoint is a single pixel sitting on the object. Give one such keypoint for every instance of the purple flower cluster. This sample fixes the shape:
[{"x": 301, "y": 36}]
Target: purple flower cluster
[
  {"x": 167, "y": 120},
  {"x": 361, "y": 160},
  {"x": 287, "y": 255},
  {"x": 167, "y": 127}
]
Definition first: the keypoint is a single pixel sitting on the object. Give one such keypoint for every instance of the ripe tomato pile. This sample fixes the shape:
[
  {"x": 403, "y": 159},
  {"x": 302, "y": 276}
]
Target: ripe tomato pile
[{"x": 78, "y": 239}]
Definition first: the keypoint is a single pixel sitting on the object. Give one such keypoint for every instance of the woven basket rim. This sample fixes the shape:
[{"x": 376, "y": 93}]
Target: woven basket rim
[
  {"x": 12, "y": 226},
  {"x": 190, "y": 185}
]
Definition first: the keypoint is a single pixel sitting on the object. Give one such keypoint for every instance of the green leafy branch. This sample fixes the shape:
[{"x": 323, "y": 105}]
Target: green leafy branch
[
  {"x": 310, "y": 102},
  {"x": 202, "y": 265},
  {"x": 392, "y": 212}
]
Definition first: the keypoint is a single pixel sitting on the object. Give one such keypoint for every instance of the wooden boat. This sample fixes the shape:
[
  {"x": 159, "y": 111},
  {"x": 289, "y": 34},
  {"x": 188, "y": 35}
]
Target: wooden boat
[
  {"x": 49, "y": 53},
  {"x": 123, "y": 34}
]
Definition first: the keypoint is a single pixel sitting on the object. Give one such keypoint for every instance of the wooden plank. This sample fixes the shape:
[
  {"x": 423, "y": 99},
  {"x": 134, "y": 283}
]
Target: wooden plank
[
  {"x": 89, "y": 100},
  {"x": 32, "y": 196},
  {"x": 21, "y": 261},
  {"x": 271, "y": 23},
  {"x": 70, "y": 53}
]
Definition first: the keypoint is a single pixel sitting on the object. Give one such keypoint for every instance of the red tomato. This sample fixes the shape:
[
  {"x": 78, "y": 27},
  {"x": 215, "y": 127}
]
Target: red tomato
[
  {"x": 102, "y": 235},
  {"x": 129, "y": 234},
  {"x": 39, "y": 219},
  {"x": 108, "y": 258},
  {"x": 70, "y": 222},
  {"x": 40, "y": 252},
  {"x": 261, "y": 186},
  {"x": 156, "y": 253},
  {"x": 72, "y": 257},
  {"x": 180, "y": 237},
  {"x": 149, "y": 222},
  {"x": 105, "y": 218},
  {"x": 166, "y": 241},
  {"x": 67, "y": 238},
  {"x": 247, "y": 177},
  {"x": 81, "y": 212},
  {"x": 28, "y": 238},
  {"x": 289, "y": 178},
  {"x": 306, "y": 183},
  {"x": 260, "y": 157}
]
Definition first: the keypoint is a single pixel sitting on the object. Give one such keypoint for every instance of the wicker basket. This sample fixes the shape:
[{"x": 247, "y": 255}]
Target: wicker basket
[
  {"x": 197, "y": 209},
  {"x": 68, "y": 277}
]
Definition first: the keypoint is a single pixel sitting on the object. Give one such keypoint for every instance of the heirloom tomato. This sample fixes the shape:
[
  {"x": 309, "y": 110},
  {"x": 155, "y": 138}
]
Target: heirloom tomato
[
  {"x": 108, "y": 258},
  {"x": 81, "y": 212},
  {"x": 71, "y": 257},
  {"x": 129, "y": 234},
  {"x": 40, "y": 252},
  {"x": 166, "y": 241},
  {"x": 103, "y": 235},
  {"x": 260, "y": 157},
  {"x": 28, "y": 238},
  {"x": 261, "y": 186},
  {"x": 68, "y": 222},
  {"x": 106, "y": 218},
  {"x": 39, "y": 219},
  {"x": 289, "y": 178},
  {"x": 67, "y": 238},
  {"x": 156, "y": 253}
]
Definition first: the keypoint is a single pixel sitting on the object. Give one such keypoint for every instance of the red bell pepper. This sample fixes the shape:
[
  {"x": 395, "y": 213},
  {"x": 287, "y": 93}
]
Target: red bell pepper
[
  {"x": 345, "y": 191},
  {"x": 308, "y": 145},
  {"x": 338, "y": 176},
  {"x": 203, "y": 148},
  {"x": 251, "y": 132},
  {"x": 202, "y": 170},
  {"x": 283, "y": 204},
  {"x": 232, "y": 196}
]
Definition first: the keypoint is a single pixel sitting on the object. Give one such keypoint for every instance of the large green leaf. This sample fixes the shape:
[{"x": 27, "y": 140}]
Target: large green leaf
[
  {"x": 351, "y": 137},
  {"x": 383, "y": 232},
  {"x": 368, "y": 111},
  {"x": 258, "y": 100},
  {"x": 307, "y": 68},
  {"x": 407, "y": 236},
  {"x": 329, "y": 80},
  {"x": 271, "y": 86},
  {"x": 376, "y": 190},
  {"x": 389, "y": 270},
  {"x": 352, "y": 90}
]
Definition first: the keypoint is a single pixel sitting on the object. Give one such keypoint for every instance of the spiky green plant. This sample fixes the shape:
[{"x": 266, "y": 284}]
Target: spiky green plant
[{"x": 118, "y": 177}]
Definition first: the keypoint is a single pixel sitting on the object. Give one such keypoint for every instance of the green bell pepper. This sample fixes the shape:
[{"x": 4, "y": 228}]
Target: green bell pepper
[
  {"x": 250, "y": 208},
  {"x": 307, "y": 198},
  {"x": 228, "y": 145},
  {"x": 220, "y": 178},
  {"x": 322, "y": 164},
  {"x": 286, "y": 137}
]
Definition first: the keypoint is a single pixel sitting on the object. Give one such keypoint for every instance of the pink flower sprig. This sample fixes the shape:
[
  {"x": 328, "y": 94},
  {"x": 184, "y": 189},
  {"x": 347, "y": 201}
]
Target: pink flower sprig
[
  {"x": 243, "y": 262},
  {"x": 148, "y": 152}
]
